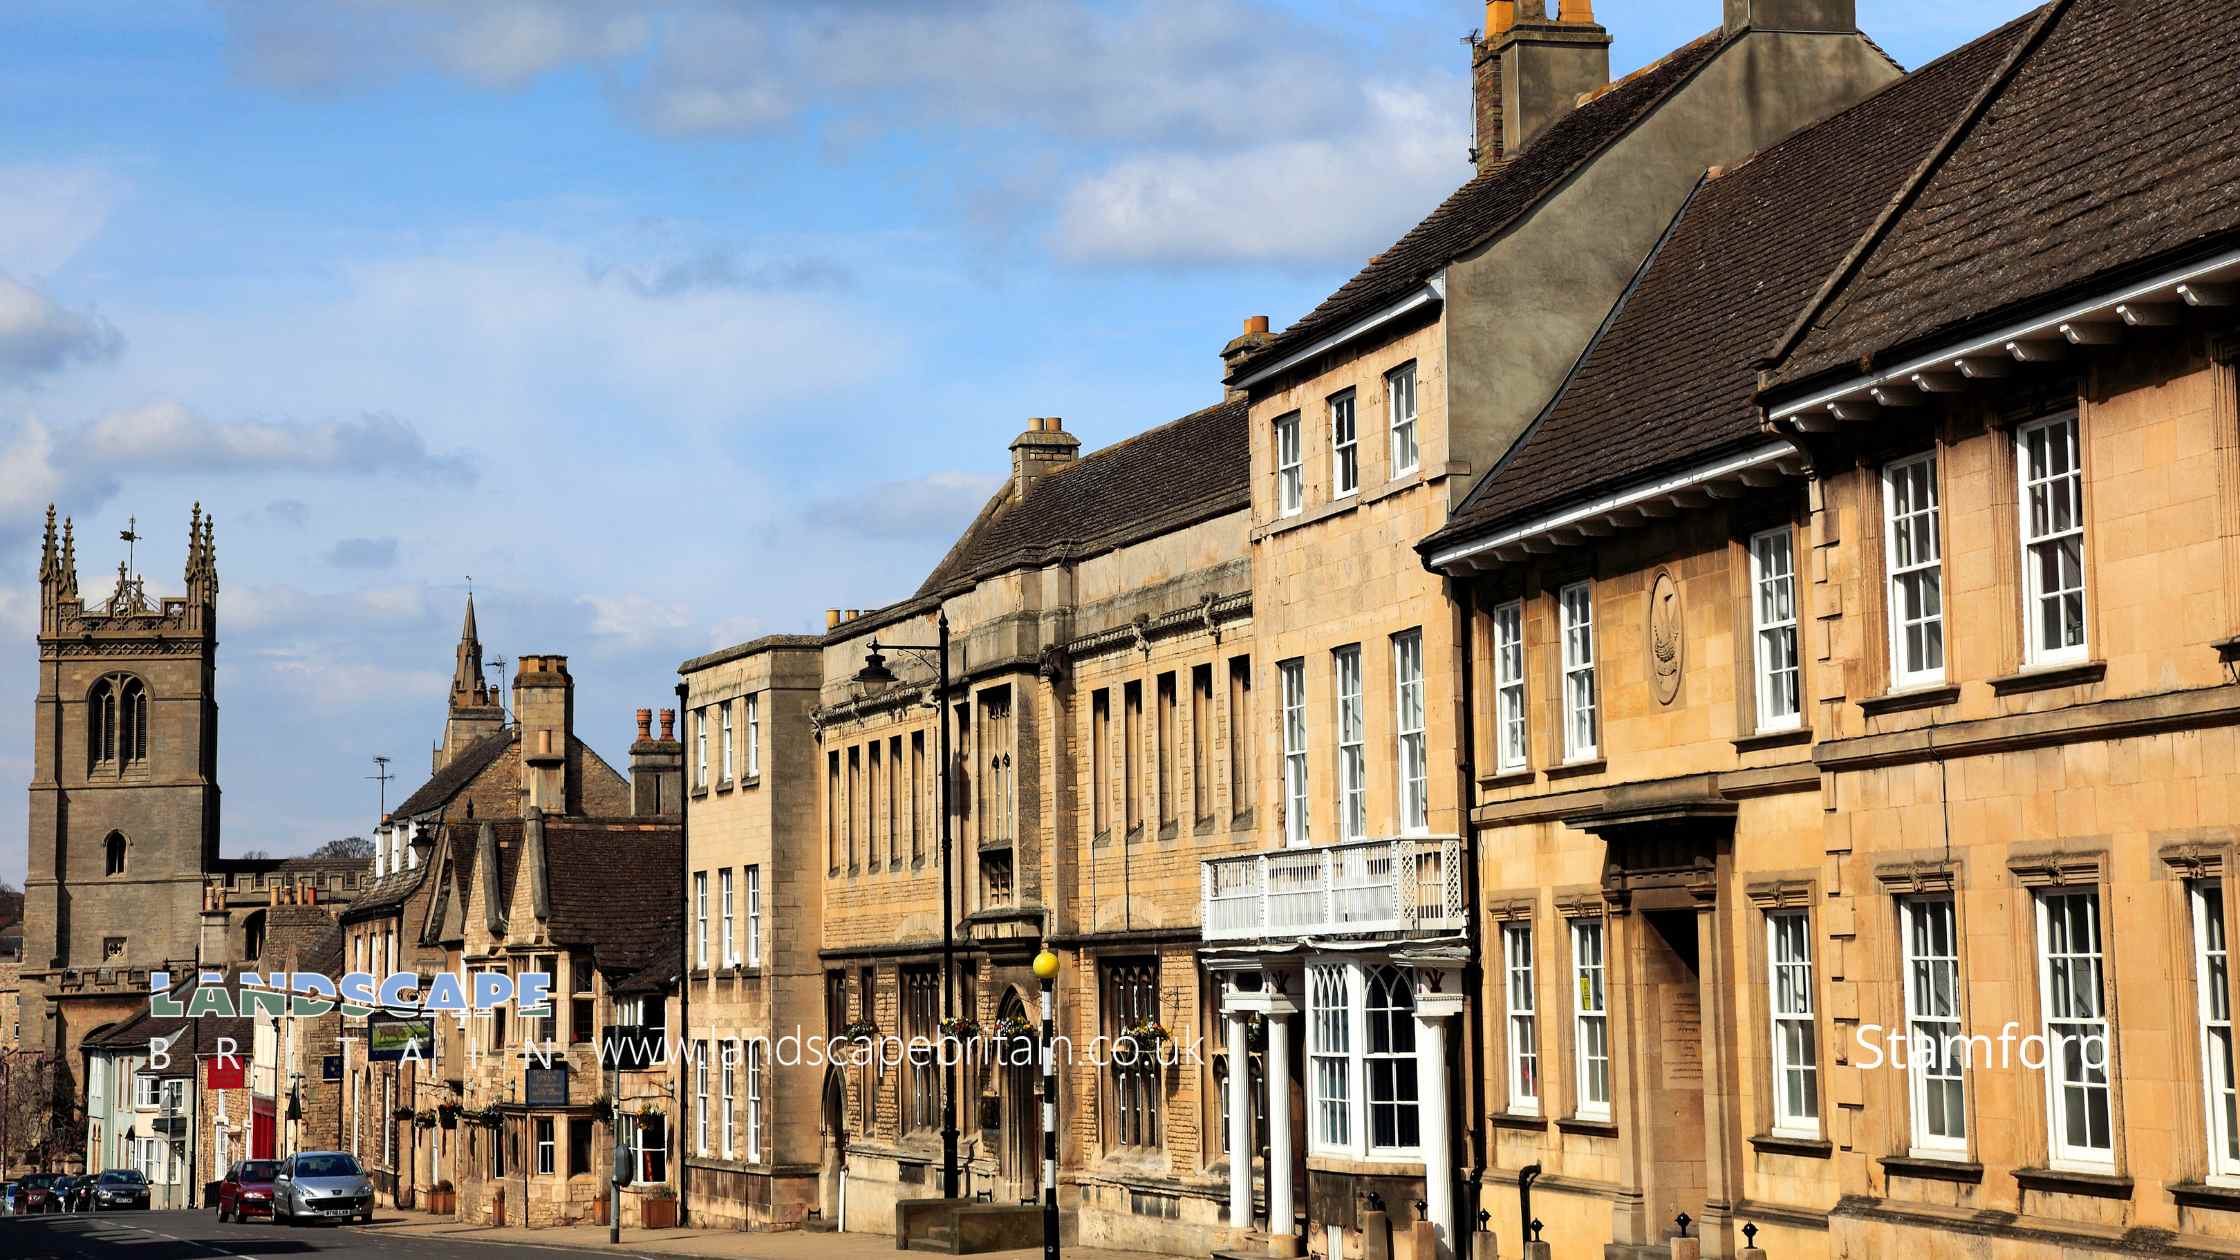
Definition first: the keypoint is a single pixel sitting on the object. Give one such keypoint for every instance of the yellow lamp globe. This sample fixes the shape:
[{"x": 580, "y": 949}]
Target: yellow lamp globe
[{"x": 1046, "y": 966}]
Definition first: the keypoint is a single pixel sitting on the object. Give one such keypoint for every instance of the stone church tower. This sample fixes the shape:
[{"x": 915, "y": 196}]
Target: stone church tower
[
  {"x": 124, "y": 790},
  {"x": 475, "y": 711}
]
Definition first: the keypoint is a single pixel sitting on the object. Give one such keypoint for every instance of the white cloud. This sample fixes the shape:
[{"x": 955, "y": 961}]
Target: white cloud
[
  {"x": 1283, "y": 202},
  {"x": 29, "y": 477},
  {"x": 935, "y": 507},
  {"x": 508, "y": 44},
  {"x": 38, "y": 335},
  {"x": 48, "y": 212},
  {"x": 329, "y": 682},
  {"x": 636, "y": 620},
  {"x": 167, "y": 435},
  {"x": 279, "y": 606}
]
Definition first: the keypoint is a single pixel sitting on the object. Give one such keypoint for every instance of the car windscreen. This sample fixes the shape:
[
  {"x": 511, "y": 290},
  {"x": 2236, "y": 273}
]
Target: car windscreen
[
  {"x": 122, "y": 1177},
  {"x": 259, "y": 1170},
  {"x": 326, "y": 1166},
  {"x": 38, "y": 1181}
]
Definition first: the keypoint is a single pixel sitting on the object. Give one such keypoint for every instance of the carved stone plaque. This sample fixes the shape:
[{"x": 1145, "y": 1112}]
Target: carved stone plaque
[{"x": 1666, "y": 636}]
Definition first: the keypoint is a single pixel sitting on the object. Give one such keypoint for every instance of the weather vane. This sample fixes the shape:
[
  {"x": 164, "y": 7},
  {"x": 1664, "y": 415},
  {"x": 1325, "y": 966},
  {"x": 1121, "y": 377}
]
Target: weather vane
[{"x": 131, "y": 536}]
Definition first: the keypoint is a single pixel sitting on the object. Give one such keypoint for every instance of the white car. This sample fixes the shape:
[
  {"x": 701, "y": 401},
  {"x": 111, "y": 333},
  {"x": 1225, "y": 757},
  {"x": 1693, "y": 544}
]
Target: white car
[{"x": 321, "y": 1185}]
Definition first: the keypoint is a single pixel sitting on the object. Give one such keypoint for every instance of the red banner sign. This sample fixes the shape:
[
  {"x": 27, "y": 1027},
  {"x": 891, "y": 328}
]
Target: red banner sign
[{"x": 225, "y": 1071}]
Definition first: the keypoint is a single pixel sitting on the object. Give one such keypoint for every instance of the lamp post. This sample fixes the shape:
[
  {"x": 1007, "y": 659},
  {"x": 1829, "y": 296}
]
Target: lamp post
[
  {"x": 1046, "y": 970},
  {"x": 875, "y": 672}
]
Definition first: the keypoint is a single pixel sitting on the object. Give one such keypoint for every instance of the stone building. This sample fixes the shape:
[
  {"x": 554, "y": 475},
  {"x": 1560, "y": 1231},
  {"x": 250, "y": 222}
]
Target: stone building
[
  {"x": 1850, "y": 645},
  {"x": 1346, "y": 947}
]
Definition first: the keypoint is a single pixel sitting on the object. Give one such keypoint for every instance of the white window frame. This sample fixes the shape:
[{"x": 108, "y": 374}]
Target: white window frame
[
  {"x": 1904, "y": 572},
  {"x": 1345, "y": 446},
  {"x": 1590, "y": 1019},
  {"x": 1522, "y": 1020},
  {"x": 754, "y": 737},
  {"x": 1291, "y": 482},
  {"x": 728, "y": 1075},
  {"x": 145, "y": 1091},
  {"x": 700, "y": 746},
  {"x": 1333, "y": 1067},
  {"x": 1791, "y": 1013},
  {"x": 1400, "y": 405},
  {"x": 1936, "y": 1049},
  {"x": 1773, "y": 612},
  {"x": 700, "y": 915},
  {"x": 2042, "y": 537},
  {"x": 1512, "y": 751},
  {"x": 754, "y": 1100},
  {"x": 730, "y": 940},
  {"x": 727, "y": 747},
  {"x": 544, "y": 1132},
  {"x": 699, "y": 1097},
  {"x": 1582, "y": 722},
  {"x": 2212, "y": 987},
  {"x": 1402, "y": 1061},
  {"x": 1293, "y": 676},
  {"x": 1411, "y": 755},
  {"x": 2070, "y": 1084},
  {"x": 1353, "y": 754},
  {"x": 754, "y": 914}
]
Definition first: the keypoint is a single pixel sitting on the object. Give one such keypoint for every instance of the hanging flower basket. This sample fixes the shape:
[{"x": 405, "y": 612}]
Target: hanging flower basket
[
  {"x": 423, "y": 1120},
  {"x": 487, "y": 1117},
  {"x": 602, "y": 1109},
  {"x": 861, "y": 1030},
  {"x": 960, "y": 1027},
  {"x": 447, "y": 1114},
  {"x": 651, "y": 1111},
  {"x": 401, "y": 1113}
]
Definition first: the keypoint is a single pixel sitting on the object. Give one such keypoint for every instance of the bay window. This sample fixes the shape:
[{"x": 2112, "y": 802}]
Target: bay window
[{"x": 1361, "y": 1052}]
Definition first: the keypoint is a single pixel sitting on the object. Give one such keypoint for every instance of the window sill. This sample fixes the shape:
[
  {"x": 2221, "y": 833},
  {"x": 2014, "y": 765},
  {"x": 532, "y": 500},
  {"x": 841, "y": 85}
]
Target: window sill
[
  {"x": 1517, "y": 1120},
  {"x": 1930, "y": 1168},
  {"x": 1575, "y": 769},
  {"x": 723, "y": 787},
  {"x": 1773, "y": 739},
  {"x": 700, "y": 793},
  {"x": 1169, "y": 830},
  {"x": 1241, "y": 820},
  {"x": 1906, "y": 701},
  {"x": 2046, "y": 678},
  {"x": 1592, "y": 1128},
  {"x": 2200, "y": 1194},
  {"x": 1307, "y": 516},
  {"x": 2062, "y": 1181},
  {"x": 1780, "y": 1144},
  {"x": 1507, "y": 778},
  {"x": 750, "y": 782}
]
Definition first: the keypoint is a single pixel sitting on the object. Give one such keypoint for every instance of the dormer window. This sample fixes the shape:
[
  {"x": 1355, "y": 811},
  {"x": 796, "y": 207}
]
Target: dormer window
[{"x": 117, "y": 722}]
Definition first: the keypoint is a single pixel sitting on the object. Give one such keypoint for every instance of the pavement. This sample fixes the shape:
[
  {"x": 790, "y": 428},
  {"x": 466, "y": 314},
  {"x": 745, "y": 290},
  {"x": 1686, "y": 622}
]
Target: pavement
[{"x": 395, "y": 1235}]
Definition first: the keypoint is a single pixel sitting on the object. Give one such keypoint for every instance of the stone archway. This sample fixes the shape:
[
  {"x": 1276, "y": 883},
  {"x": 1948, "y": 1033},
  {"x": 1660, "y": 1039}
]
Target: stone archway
[
  {"x": 833, "y": 1166},
  {"x": 1019, "y": 1084}
]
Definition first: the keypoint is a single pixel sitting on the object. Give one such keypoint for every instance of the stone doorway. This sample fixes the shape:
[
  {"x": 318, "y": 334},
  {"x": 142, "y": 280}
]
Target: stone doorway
[
  {"x": 1020, "y": 1154},
  {"x": 1668, "y": 1002}
]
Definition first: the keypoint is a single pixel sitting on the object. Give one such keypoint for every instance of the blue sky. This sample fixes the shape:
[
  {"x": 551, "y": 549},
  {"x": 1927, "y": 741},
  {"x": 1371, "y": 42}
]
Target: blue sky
[{"x": 670, "y": 323}]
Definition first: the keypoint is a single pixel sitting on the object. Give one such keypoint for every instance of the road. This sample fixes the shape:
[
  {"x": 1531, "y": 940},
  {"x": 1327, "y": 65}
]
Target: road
[{"x": 199, "y": 1236}]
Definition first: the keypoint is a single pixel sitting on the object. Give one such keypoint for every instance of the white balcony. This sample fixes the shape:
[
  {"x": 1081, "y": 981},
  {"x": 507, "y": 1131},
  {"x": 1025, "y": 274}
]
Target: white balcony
[{"x": 1408, "y": 885}]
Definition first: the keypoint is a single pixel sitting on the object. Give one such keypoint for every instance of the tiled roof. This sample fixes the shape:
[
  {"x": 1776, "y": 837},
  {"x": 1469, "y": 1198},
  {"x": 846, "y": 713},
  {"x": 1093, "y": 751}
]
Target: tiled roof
[
  {"x": 454, "y": 777},
  {"x": 1492, "y": 201},
  {"x": 2112, "y": 151},
  {"x": 133, "y": 1034},
  {"x": 1162, "y": 479},
  {"x": 312, "y": 935},
  {"x": 616, "y": 885},
  {"x": 1671, "y": 377},
  {"x": 388, "y": 892}
]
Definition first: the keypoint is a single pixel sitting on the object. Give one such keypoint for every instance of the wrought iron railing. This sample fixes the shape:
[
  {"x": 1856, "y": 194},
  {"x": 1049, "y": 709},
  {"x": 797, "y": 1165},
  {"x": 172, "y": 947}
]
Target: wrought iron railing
[{"x": 1409, "y": 884}]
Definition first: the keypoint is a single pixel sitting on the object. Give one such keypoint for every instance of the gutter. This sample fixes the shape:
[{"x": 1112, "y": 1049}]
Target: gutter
[{"x": 1433, "y": 293}]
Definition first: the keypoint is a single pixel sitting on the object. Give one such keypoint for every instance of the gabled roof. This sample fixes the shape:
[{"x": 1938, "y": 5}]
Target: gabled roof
[
  {"x": 2110, "y": 151},
  {"x": 132, "y": 1034},
  {"x": 1162, "y": 479},
  {"x": 617, "y": 887},
  {"x": 1671, "y": 378},
  {"x": 307, "y": 936},
  {"x": 1491, "y": 202},
  {"x": 453, "y": 779}
]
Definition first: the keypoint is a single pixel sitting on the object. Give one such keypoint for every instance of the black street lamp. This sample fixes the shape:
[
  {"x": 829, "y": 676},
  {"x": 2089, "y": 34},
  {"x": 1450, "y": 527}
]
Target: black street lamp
[{"x": 876, "y": 673}]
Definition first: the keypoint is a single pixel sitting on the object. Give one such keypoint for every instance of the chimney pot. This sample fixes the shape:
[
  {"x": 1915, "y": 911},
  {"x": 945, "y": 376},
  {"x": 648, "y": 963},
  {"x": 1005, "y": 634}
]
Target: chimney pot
[
  {"x": 1254, "y": 325},
  {"x": 645, "y": 724},
  {"x": 668, "y": 724},
  {"x": 831, "y": 618}
]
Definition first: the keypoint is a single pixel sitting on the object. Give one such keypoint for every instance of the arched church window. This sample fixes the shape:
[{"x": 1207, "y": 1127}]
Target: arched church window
[
  {"x": 113, "y": 853},
  {"x": 101, "y": 723},
  {"x": 132, "y": 721},
  {"x": 117, "y": 722}
]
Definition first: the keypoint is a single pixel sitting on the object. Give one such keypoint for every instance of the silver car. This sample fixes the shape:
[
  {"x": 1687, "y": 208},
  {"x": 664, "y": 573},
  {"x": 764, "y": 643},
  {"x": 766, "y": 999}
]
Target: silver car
[{"x": 321, "y": 1185}]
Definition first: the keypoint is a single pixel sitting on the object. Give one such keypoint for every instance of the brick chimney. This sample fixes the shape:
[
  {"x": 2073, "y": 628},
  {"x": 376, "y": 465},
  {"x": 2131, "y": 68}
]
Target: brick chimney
[
  {"x": 1254, "y": 336},
  {"x": 1043, "y": 449},
  {"x": 657, "y": 766},
  {"x": 1534, "y": 61},
  {"x": 1837, "y": 17},
  {"x": 544, "y": 704}
]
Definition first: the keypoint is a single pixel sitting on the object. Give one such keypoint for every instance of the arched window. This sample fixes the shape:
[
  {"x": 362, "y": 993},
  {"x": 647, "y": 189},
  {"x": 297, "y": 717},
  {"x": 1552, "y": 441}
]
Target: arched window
[
  {"x": 1394, "y": 1123},
  {"x": 101, "y": 723},
  {"x": 113, "y": 853},
  {"x": 132, "y": 721},
  {"x": 252, "y": 935}
]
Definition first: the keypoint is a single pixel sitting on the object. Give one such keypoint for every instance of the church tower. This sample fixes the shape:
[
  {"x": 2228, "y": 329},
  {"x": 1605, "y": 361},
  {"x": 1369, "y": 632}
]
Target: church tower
[
  {"x": 475, "y": 710},
  {"x": 124, "y": 788}
]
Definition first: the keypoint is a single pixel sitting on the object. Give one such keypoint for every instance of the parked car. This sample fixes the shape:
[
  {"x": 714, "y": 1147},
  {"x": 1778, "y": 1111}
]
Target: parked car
[
  {"x": 69, "y": 1191},
  {"x": 7, "y": 1197},
  {"x": 247, "y": 1189},
  {"x": 321, "y": 1185},
  {"x": 36, "y": 1194},
  {"x": 117, "y": 1188}
]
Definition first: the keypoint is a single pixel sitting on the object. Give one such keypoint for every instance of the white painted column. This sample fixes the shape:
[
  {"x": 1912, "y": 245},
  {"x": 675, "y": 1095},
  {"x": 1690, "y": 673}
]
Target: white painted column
[
  {"x": 1282, "y": 1219},
  {"x": 1432, "y": 1010},
  {"x": 1240, "y": 1123}
]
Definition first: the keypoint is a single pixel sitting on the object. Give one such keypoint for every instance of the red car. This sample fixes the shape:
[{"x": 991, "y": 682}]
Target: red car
[
  {"x": 36, "y": 1193},
  {"x": 247, "y": 1190}
]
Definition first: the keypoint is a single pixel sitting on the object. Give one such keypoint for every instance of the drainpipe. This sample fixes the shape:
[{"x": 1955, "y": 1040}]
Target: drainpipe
[
  {"x": 1525, "y": 1179},
  {"x": 684, "y": 976},
  {"x": 1461, "y": 597}
]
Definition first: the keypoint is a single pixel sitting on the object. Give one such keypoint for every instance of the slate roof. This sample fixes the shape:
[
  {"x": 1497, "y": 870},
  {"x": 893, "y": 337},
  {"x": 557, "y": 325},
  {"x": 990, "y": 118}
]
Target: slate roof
[
  {"x": 1491, "y": 202},
  {"x": 453, "y": 779},
  {"x": 1670, "y": 379},
  {"x": 1160, "y": 480},
  {"x": 312, "y": 933},
  {"x": 387, "y": 893},
  {"x": 616, "y": 886},
  {"x": 133, "y": 1034},
  {"x": 2112, "y": 151}
]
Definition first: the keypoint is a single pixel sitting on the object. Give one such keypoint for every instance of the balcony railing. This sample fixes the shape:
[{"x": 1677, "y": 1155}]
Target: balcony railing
[{"x": 1407, "y": 885}]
